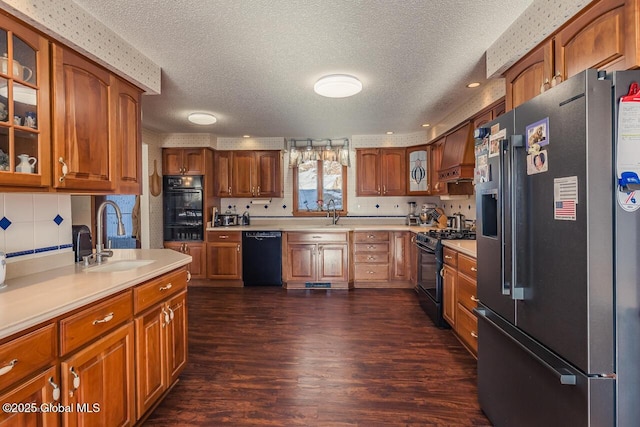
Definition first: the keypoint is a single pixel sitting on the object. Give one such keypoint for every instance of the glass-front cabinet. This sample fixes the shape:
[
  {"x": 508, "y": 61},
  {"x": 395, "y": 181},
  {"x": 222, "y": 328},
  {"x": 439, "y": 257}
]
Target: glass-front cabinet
[{"x": 24, "y": 106}]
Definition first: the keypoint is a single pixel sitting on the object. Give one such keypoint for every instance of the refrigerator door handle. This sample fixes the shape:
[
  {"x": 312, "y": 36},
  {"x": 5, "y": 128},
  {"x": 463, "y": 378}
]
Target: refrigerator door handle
[
  {"x": 565, "y": 376},
  {"x": 505, "y": 282},
  {"x": 517, "y": 143}
]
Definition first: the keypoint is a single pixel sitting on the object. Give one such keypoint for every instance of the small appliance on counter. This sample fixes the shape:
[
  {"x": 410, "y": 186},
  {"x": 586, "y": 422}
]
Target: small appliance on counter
[
  {"x": 412, "y": 218},
  {"x": 82, "y": 245},
  {"x": 425, "y": 217},
  {"x": 228, "y": 219},
  {"x": 245, "y": 219}
]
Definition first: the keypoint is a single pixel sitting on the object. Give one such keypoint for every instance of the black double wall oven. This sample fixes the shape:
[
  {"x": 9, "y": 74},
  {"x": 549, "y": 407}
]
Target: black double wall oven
[{"x": 183, "y": 208}]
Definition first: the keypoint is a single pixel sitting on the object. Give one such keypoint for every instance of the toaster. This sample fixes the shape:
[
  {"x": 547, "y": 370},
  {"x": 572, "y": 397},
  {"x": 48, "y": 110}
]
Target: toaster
[{"x": 81, "y": 242}]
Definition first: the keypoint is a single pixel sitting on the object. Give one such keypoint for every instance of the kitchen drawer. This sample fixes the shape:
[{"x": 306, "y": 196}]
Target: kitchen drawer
[
  {"x": 467, "y": 265},
  {"x": 467, "y": 292},
  {"x": 317, "y": 237},
  {"x": 23, "y": 356},
  {"x": 372, "y": 257},
  {"x": 365, "y": 272},
  {"x": 90, "y": 323},
  {"x": 450, "y": 257},
  {"x": 467, "y": 328},
  {"x": 158, "y": 289},
  {"x": 371, "y": 247},
  {"x": 224, "y": 236},
  {"x": 371, "y": 236}
]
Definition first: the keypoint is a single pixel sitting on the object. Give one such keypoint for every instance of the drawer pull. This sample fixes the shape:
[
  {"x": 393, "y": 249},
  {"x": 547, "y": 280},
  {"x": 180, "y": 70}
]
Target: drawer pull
[
  {"x": 448, "y": 257},
  {"x": 474, "y": 299},
  {"x": 105, "y": 319},
  {"x": 76, "y": 378},
  {"x": 371, "y": 236},
  {"x": 166, "y": 288},
  {"x": 370, "y": 247},
  {"x": 56, "y": 389},
  {"x": 370, "y": 258},
  {"x": 474, "y": 269},
  {"x": 474, "y": 334},
  {"x": 65, "y": 169},
  {"x": 224, "y": 236},
  {"x": 8, "y": 367},
  {"x": 371, "y": 272}
]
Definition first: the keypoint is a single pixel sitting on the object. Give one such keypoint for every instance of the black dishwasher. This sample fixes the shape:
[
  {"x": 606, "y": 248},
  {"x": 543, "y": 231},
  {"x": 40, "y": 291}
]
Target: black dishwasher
[{"x": 262, "y": 258}]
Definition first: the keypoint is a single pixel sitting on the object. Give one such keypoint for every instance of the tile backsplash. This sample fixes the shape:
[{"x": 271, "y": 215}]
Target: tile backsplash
[{"x": 33, "y": 225}]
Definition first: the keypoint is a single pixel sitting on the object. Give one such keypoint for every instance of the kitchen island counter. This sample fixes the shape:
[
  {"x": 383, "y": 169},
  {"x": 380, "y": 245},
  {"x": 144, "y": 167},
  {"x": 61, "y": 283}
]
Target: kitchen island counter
[
  {"x": 467, "y": 247},
  {"x": 35, "y": 298}
]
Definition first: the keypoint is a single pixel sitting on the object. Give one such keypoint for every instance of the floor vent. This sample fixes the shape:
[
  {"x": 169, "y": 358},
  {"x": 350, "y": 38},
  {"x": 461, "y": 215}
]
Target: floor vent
[{"x": 317, "y": 285}]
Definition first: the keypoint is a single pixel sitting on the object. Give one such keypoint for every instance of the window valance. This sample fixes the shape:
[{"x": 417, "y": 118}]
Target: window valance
[{"x": 303, "y": 150}]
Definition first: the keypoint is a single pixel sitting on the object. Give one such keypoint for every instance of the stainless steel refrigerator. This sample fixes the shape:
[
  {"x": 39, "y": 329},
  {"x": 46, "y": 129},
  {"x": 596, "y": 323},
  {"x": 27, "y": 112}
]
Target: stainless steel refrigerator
[{"x": 558, "y": 280}]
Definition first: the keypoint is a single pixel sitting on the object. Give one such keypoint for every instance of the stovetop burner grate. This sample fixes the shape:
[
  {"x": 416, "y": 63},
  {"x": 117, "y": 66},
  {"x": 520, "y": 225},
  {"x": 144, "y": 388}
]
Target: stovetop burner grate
[{"x": 452, "y": 234}]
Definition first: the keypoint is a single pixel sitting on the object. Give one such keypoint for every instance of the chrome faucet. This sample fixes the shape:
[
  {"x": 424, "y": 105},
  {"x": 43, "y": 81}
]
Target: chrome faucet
[
  {"x": 100, "y": 251},
  {"x": 336, "y": 217}
]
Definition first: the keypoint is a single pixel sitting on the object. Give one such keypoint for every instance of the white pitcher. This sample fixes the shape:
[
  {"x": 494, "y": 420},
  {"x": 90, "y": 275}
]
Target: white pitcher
[{"x": 27, "y": 164}]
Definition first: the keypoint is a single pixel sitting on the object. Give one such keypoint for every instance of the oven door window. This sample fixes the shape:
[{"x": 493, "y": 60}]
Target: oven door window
[{"x": 183, "y": 215}]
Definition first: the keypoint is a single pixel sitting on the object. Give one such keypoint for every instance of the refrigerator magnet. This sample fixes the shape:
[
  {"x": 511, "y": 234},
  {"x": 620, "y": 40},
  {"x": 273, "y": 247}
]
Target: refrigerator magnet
[
  {"x": 494, "y": 142},
  {"x": 538, "y": 133},
  {"x": 537, "y": 162}
]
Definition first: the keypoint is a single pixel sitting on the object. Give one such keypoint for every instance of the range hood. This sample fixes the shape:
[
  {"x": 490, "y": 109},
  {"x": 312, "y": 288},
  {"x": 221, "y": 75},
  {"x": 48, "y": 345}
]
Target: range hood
[{"x": 458, "y": 157}]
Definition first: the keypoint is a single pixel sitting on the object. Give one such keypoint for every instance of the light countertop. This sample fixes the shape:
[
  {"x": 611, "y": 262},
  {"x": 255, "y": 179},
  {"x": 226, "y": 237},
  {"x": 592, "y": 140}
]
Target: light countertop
[
  {"x": 467, "y": 247},
  {"x": 315, "y": 228},
  {"x": 35, "y": 298}
]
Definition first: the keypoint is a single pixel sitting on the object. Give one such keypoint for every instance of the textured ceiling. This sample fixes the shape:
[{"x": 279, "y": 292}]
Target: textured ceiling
[{"x": 253, "y": 63}]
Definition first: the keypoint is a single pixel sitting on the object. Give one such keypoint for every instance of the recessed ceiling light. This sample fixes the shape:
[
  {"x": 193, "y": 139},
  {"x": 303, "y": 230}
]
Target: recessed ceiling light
[
  {"x": 425, "y": 125},
  {"x": 202, "y": 118},
  {"x": 337, "y": 86},
  {"x": 246, "y": 136},
  {"x": 474, "y": 84},
  {"x": 389, "y": 133}
]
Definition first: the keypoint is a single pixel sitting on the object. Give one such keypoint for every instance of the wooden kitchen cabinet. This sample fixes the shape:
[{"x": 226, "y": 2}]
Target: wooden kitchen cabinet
[
  {"x": 449, "y": 281},
  {"x": 418, "y": 170},
  {"x": 372, "y": 251},
  {"x": 525, "y": 78},
  {"x": 458, "y": 155},
  {"x": 183, "y": 161},
  {"x": 84, "y": 120},
  {"x": 439, "y": 187},
  {"x": 101, "y": 377},
  {"x": 35, "y": 392},
  {"x": 198, "y": 251},
  {"x": 28, "y": 61},
  {"x": 400, "y": 267},
  {"x": 128, "y": 138},
  {"x": 316, "y": 258},
  {"x": 161, "y": 336},
  {"x": 223, "y": 176},
  {"x": 381, "y": 172},
  {"x": 257, "y": 174},
  {"x": 224, "y": 255}
]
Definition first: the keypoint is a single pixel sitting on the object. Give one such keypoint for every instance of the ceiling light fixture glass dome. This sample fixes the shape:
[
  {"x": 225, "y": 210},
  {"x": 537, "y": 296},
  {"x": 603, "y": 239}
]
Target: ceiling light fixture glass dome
[
  {"x": 338, "y": 86},
  {"x": 202, "y": 118}
]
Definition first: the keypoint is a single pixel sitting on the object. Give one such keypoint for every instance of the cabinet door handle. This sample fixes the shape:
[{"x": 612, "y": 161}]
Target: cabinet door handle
[
  {"x": 474, "y": 334},
  {"x": 65, "y": 169},
  {"x": 474, "y": 299},
  {"x": 238, "y": 248},
  {"x": 253, "y": 191},
  {"x": 56, "y": 389},
  {"x": 384, "y": 189},
  {"x": 105, "y": 319},
  {"x": 442, "y": 273},
  {"x": 165, "y": 315},
  {"x": 378, "y": 189},
  {"x": 188, "y": 276},
  {"x": 166, "y": 288},
  {"x": 474, "y": 269},
  {"x": 171, "y": 314},
  {"x": 448, "y": 257},
  {"x": 76, "y": 378},
  {"x": 258, "y": 190},
  {"x": 229, "y": 190},
  {"x": 8, "y": 367}
]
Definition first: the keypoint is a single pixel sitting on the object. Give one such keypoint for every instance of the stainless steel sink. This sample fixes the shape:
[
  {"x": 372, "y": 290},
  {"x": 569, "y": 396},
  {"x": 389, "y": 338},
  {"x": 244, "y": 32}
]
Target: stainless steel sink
[{"x": 116, "y": 266}]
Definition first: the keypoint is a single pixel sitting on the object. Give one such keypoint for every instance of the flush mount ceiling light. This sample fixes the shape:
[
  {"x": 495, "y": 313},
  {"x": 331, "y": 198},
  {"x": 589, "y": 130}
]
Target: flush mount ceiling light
[
  {"x": 474, "y": 84},
  {"x": 426, "y": 125},
  {"x": 202, "y": 118},
  {"x": 337, "y": 86}
]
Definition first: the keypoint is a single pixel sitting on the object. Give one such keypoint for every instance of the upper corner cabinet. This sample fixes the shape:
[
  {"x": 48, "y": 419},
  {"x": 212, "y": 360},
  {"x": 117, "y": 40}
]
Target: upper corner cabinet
[
  {"x": 24, "y": 106},
  {"x": 84, "y": 111}
]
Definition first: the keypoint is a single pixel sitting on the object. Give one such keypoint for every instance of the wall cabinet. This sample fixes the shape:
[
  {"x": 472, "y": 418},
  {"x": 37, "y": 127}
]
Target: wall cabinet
[
  {"x": 316, "y": 258},
  {"x": 128, "y": 139},
  {"x": 223, "y": 181},
  {"x": 83, "y": 123},
  {"x": 418, "y": 170},
  {"x": 224, "y": 255},
  {"x": 183, "y": 161},
  {"x": 603, "y": 36},
  {"x": 198, "y": 251},
  {"x": 26, "y": 70},
  {"x": 381, "y": 172},
  {"x": 257, "y": 174}
]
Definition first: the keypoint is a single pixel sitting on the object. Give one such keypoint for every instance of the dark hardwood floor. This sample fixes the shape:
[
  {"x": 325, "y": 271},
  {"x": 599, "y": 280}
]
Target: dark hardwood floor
[{"x": 366, "y": 357}]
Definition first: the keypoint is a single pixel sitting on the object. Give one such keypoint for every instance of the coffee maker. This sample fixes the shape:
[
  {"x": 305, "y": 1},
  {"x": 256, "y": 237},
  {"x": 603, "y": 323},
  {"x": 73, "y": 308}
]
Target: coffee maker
[{"x": 412, "y": 218}]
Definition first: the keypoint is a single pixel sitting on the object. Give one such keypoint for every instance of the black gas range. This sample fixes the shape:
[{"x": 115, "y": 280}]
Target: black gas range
[{"x": 430, "y": 264}]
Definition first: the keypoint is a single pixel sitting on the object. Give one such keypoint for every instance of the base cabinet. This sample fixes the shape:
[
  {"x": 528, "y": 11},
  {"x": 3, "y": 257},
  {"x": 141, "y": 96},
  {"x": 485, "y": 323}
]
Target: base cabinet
[
  {"x": 99, "y": 379},
  {"x": 316, "y": 260},
  {"x": 36, "y": 392},
  {"x": 198, "y": 266},
  {"x": 224, "y": 255}
]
